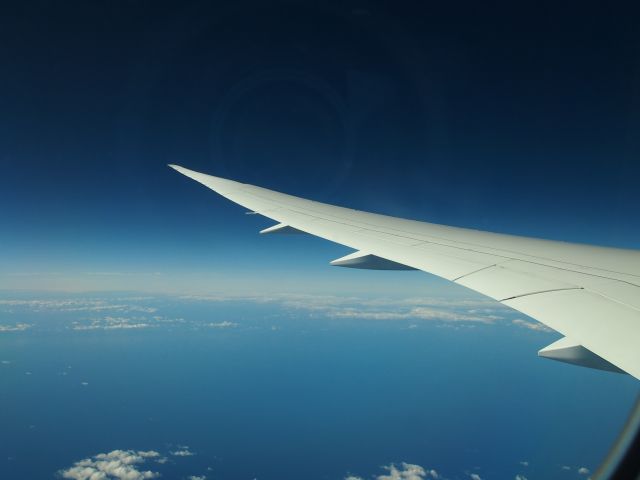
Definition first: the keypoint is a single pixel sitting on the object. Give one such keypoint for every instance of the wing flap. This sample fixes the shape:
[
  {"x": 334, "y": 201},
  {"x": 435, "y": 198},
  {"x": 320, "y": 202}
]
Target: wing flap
[
  {"x": 608, "y": 329},
  {"x": 568, "y": 351}
]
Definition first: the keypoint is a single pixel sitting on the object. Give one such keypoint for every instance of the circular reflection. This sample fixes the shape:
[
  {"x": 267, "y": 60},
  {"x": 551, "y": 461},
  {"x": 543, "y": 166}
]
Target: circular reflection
[{"x": 283, "y": 123}]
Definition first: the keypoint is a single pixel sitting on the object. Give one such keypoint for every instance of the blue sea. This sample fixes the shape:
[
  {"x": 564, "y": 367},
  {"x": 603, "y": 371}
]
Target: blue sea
[{"x": 123, "y": 385}]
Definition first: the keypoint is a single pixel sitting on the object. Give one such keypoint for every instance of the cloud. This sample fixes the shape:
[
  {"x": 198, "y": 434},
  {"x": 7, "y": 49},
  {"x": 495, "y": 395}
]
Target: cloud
[
  {"x": 197, "y": 477},
  {"x": 407, "y": 471},
  {"x": 537, "y": 326},
  {"x": 475, "y": 476},
  {"x": 115, "y": 465},
  {"x": 80, "y": 304},
  {"x": 417, "y": 313},
  {"x": 113, "y": 323},
  {"x": 446, "y": 310},
  {"x": 524, "y": 463},
  {"x": 136, "y": 313},
  {"x": 584, "y": 471},
  {"x": 131, "y": 312},
  {"x": 183, "y": 451},
  {"x": 18, "y": 327},
  {"x": 520, "y": 477},
  {"x": 225, "y": 324}
]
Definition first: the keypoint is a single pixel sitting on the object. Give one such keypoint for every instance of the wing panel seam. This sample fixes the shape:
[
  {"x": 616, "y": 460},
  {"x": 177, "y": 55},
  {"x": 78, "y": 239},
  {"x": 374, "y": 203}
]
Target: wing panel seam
[{"x": 539, "y": 292}]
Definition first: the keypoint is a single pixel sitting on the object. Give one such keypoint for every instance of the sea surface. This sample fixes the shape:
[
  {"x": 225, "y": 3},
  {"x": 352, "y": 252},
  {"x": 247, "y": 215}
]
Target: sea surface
[{"x": 292, "y": 386}]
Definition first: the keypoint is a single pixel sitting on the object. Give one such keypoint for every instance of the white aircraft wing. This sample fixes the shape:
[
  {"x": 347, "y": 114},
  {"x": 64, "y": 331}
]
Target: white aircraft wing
[{"x": 589, "y": 294}]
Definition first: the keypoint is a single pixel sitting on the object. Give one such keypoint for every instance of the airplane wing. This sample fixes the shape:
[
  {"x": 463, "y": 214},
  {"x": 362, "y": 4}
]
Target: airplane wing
[{"x": 589, "y": 294}]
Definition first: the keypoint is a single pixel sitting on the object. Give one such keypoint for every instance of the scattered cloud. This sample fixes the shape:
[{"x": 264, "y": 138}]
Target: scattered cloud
[
  {"x": 416, "y": 313},
  {"x": 407, "y": 471},
  {"x": 129, "y": 313},
  {"x": 113, "y": 323},
  {"x": 475, "y": 476},
  {"x": 445, "y": 310},
  {"x": 225, "y": 324},
  {"x": 584, "y": 471},
  {"x": 520, "y": 477},
  {"x": 197, "y": 477},
  {"x": 565, "y": 467},
  {"x": 80, "y": 304},
  {"x": 182, "y": 451},
  {"x": 5, "y": 362},
  {"x": 115, "y": 465},
  {"x": 524, "y": 463},
  {"x": 18, "y": 327},
  {"x": 537, "y": 326}
]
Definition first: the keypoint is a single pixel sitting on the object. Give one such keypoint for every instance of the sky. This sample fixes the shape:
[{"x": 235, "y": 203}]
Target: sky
[
  {"x": 510, "y": 118},
  {"x": 154, "y": 319}
]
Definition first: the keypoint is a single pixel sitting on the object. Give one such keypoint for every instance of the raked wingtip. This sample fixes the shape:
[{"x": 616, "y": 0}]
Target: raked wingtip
[{"x": 182, "y": 170}]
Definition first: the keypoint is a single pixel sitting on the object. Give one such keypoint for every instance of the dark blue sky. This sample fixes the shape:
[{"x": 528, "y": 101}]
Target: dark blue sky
[{"x": 512, "y": 118}]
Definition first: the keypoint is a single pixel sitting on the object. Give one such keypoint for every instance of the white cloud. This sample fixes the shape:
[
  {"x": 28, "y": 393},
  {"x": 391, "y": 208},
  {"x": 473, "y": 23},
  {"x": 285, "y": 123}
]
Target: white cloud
[
  {"x": 418, "y": 313},
  {"x": 197, "y": 477},
  {"x": 225, "y": 324},
  {"x": 18, "y": 327},
  {"x": 565, "y": 467},
  {"x": 447, "y": 310},
  {"x": 115, "y": 465},
  {"x": 524, "y": 463},
  {"x": 407, "y": 471},
  {"x": 584, "y": 471},
  {"x": 183, "y": 451},
  {"x": 128, "y": 313},
  {"x": 475, "y": 476},
  {"x": 80, "y": 305},
  {"x": 537, "y": 326},
  {"x": 520, "y": 477},
  {"x": 113, "y": 323}
]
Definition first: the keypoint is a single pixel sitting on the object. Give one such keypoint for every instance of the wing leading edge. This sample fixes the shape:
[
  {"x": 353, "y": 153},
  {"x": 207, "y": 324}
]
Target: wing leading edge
[{"x": 589, "y": 294}]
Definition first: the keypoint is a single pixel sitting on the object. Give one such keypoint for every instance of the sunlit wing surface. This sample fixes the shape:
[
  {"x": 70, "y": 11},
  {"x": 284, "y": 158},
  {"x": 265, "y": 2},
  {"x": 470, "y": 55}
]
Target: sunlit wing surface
[{"x": 589, "y": 294}]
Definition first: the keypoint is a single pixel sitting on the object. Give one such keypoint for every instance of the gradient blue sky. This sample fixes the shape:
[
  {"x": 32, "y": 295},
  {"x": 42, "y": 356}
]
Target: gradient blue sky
[{"x": 520, "y": 119}]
